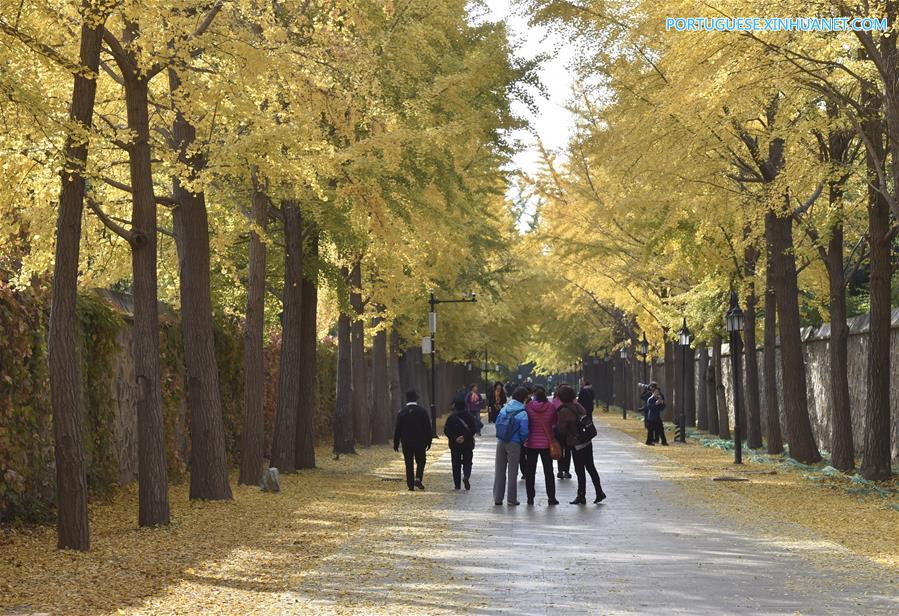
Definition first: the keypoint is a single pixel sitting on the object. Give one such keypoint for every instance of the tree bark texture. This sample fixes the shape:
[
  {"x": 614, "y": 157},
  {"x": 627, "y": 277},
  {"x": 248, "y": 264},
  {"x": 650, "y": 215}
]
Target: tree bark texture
[
  {"x": 772, "y": 402},
  {"x": 702, "y": 408},
  {"x": 799, "y": 428},
  {"x": 65, "y": 383},
  {"x": 208, "y": 458},
  {"x": 876, "y": 455},
  {"x": 152, "y": 470},
  {"x": 361, "y": 415},
  {"x": 253, "y": 438},
  {"x": 305, "y": 439},
  {"x": 290, "y": 371},
  {"x": 723, "y": 418}
]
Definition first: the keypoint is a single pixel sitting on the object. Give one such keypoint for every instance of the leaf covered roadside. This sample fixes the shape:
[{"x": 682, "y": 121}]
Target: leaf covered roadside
[
  {"x": 223, "y": 555},
  {"x": 826, "y": 505}
]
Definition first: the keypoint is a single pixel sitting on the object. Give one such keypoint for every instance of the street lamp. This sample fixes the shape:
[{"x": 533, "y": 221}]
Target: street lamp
[
  {"x": 734, "y": 320},
  {"x": 432, "y": 323},
  {"x": 644, "y": 351},
  {"x": 623, "y": 355},
  {"x": 682, "y": 399}
]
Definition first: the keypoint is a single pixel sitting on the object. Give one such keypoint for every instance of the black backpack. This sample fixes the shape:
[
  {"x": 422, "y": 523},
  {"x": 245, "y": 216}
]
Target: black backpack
[{"x": 586, "y": 431}]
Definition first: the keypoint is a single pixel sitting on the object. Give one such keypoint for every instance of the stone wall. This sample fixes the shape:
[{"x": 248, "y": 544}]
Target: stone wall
[{"x": 816, "y": 341}]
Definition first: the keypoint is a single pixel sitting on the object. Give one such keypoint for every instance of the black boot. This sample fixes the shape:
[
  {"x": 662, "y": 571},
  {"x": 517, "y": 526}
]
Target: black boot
[
  {"x": 580, "y": 500},
  {"x": 600, "y": 497}
]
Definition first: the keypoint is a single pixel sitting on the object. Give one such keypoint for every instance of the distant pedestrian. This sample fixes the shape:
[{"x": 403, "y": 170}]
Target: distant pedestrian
[
  {"x": 511, "y": 433},
  {"x": 564, "y": 463},
  {"x": 495, "y": 401},
  {"x": 585, "y": 397},
  {"x": 413, "y": 431},
  {"x": 571, "y": 418},
  {"x": 460, "y": 430},
  {"x": 474, "y": 403},
  {"x": 655, "y": 429},
  {"x": 541, "y": 424}
]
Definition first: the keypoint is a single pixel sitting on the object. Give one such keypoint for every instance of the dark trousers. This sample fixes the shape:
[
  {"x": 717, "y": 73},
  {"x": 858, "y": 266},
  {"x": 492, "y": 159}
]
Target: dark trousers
[
  {"x": 418, "y": 455},
  {"x": 565, "y": 460},
  {"x": 583, "y": 461},
  {"x": 659, "y": 431},
  {"x": 461, "y": 460},
  {"x": 530, "y": 472}
]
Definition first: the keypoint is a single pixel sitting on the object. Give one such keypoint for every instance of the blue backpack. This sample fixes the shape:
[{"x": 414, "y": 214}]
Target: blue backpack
[{"x": 507, "y": 426}]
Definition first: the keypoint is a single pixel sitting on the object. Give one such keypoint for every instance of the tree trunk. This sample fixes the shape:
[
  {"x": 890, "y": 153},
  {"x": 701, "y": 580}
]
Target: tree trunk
[
  {"x": 343, "y": 415},
  {"x": 290, "y": 370},
  {"x": 799, "y": 428},
  {"x": 712, "y": 393},
  {"x": 772, "y": 403},
  {"x": 670, "y": 382},
  {"x": 876, "y": 455},
  {"x": 208, "y": 458},
  {"x": 152, "y": 472},
  {"x": 305, "y": 438},
  {"x": 361, "y": 415},
  {"x": 254, "y": 359},
  {"x": 65, "y": 382},
  {"x": 702, "y": 409},
  {"x": 396, "y": 390},
  {"x": 690, "y": 393},
  {"x": 753, "y": 414},
  {"x": 382, "y": 428},
  {"x": 842, "y": 450},
  {"x": 723, "y": 418}
]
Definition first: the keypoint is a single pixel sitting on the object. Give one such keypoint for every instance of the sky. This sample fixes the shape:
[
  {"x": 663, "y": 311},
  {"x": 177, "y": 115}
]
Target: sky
[{"x": 551, "y": 122}]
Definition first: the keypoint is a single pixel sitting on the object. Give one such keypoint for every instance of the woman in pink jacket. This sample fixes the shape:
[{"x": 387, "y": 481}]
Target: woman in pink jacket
[{"x": 542, "y": 418}]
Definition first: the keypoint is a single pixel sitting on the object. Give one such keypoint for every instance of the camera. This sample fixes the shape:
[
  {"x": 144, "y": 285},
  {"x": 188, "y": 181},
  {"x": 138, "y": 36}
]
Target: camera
[{"x": 645, "y": 393}]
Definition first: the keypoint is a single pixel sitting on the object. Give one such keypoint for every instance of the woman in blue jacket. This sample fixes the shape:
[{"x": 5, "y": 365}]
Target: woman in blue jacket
[{"x": 511, "y": 433}]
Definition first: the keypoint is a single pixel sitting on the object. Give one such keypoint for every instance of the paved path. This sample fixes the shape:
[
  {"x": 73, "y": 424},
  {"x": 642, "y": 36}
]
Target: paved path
[{"x": 643, "y": 551}]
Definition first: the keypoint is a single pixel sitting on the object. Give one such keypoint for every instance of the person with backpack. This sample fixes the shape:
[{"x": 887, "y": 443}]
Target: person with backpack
[
  {"x": 511, "y": 433},
  {"x": 577, "y": 427},
  {"x": 655, "y": 429},
  {"x": 564, "y": 462},
  {"x": 460, "y": 430},
  {"x": 541, "y": 423},
  {"x": 413, "y": 431},
  {"x": 585, "y": 397}
]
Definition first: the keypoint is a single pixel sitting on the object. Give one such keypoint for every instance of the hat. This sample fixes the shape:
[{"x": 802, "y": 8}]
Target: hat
[{"x": 411, "y": 396}]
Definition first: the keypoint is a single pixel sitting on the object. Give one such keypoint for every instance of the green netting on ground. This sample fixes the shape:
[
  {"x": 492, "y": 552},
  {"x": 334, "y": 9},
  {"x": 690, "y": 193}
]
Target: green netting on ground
[{"x": 812, "y": 472}]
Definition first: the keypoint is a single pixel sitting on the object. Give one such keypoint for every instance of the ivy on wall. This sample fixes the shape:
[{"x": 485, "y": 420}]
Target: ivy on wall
[{"x": 27, "y": 474}]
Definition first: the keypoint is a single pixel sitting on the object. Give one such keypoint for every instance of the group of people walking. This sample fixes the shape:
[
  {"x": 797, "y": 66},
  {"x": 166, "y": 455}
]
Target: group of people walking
[{"x": 531, "y": 429}]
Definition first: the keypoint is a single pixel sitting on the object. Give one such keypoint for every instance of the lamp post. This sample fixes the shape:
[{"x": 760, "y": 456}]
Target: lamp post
[
  {"x": 644, "y": 351},
  {"x": 682, "y": 398},
  {"x": 734, "y": 320},
  {"x": 432, "y": 323},
  {"x": 623, "y": 355}
]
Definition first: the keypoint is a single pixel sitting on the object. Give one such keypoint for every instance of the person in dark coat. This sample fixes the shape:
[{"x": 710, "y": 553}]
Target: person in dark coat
[
  {"x": 460, "y": 428},
  {"x": 655, "y": 429},
  {"x": 582, "y": 453},
  {"x": 496, "y": 400},
  {"x": 585, "y": 397},
  {"x": 413, "y": 431}
]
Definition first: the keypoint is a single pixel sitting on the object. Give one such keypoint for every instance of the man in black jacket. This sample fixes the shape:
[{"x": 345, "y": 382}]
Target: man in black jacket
[
  {"x": 413, "y": 430},
  {"x": 460, "y": 428},
  {"x": 585, "y": 396}
]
